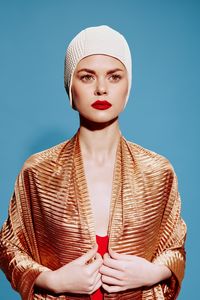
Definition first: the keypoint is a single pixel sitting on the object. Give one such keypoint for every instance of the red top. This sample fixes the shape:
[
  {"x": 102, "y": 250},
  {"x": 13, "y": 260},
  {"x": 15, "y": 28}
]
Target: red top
[{"x": 102, "y": 242}]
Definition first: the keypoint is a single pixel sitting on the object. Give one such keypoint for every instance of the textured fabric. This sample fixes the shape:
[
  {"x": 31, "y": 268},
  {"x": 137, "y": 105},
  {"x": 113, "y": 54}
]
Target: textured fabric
[
  {"x": 50, "y": 220},
  {"x": 96, "y": 40},
  {"x": 102, "y": 242}
]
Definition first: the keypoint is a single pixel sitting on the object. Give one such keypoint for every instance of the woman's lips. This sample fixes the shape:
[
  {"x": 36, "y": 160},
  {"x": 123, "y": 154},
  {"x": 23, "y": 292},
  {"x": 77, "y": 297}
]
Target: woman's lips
[{"x": 101, "y": 104}]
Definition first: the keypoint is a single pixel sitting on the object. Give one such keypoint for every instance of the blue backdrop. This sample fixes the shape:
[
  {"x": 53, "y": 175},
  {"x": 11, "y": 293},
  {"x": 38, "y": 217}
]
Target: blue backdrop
[{"x": 163, "y": 110}]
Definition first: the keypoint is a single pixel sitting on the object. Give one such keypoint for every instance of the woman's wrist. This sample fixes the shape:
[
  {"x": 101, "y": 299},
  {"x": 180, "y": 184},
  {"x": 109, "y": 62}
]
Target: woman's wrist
[
  {"x": 46, "y": 280},
  {"x": 159, "y": 273}
]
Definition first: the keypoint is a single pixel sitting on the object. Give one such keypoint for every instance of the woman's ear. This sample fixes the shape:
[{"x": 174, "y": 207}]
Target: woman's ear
[{"x": 73, "y": 104}]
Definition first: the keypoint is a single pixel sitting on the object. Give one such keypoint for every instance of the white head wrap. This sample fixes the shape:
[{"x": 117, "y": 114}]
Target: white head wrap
[{"x": 96, "y": 40}]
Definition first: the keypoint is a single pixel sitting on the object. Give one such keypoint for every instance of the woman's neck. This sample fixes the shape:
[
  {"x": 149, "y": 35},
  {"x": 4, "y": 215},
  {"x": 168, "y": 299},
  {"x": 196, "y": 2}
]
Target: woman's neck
[{"x": 99, "y": 143}]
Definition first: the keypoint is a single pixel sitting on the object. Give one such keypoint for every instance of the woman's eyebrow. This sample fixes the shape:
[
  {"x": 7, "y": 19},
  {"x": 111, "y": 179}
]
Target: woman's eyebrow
[
  {"x": 115, "y": 70},
  {"x": 86, "y": 70},
  {"x": 93, "y": 72}
]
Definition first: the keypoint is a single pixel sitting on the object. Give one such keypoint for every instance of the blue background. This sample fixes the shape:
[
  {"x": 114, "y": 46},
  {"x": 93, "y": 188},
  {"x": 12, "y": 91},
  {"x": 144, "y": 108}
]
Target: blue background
[{"x": 163, "y": 109}]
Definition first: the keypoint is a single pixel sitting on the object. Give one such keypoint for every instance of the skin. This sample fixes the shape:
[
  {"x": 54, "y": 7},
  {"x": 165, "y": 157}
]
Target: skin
[{"x": 99, "y": 137}]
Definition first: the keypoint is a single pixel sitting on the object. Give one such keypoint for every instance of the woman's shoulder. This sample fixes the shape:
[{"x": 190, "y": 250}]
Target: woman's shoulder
[
  {"x": 149, "y": 158},
  {"x": 45, "y": 157}
]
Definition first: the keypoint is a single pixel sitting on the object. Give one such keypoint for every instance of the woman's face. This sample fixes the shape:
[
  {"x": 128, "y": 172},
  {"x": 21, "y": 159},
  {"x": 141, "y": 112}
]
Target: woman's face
[{"x": 99, "y": 78}]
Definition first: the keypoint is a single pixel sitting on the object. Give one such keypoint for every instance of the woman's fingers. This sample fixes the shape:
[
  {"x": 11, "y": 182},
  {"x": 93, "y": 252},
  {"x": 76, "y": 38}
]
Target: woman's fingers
[
  {"x": 88, "y": 256},
  {"x": 119, "y": 256},
  {"x": 111, "y": 281},
  {"x": 112, "y": 289},
  {"x": 97, "y": 283},
  {"x": 104, "y": 270},
  {"x": 97, "y": 279},
  {"x": 112, "y": 263},
  {"x": 96, "y": 264}
]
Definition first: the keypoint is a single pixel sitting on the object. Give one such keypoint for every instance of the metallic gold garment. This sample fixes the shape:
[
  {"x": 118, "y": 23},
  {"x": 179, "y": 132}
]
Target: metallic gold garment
[{"x": 50, "y": 219}]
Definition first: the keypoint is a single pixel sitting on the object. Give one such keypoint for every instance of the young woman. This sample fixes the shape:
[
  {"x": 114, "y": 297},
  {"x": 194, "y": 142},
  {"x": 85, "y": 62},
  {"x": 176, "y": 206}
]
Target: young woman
[{"x": 96, "y": 216}]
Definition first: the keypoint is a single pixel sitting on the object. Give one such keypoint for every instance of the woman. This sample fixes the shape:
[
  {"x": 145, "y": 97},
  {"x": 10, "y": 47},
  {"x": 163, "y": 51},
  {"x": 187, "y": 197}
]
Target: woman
[{"x": 96, "y": 216}]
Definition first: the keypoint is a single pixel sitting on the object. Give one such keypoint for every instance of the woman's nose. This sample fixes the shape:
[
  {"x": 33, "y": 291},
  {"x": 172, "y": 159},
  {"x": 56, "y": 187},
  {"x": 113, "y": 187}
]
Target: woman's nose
[{"x": 100, "y": 87}]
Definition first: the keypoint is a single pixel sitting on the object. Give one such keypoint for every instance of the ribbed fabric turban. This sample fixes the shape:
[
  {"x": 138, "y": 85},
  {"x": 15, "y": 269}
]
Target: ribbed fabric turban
[{"x": 96, "y": 40}]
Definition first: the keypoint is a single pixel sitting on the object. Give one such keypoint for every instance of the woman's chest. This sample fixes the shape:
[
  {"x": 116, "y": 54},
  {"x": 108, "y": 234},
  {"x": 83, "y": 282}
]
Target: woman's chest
[{"x": 99, "y": 180}]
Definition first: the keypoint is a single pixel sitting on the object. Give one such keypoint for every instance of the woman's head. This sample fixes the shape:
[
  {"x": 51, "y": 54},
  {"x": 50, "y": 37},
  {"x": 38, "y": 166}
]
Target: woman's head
[
  {"x": 99, "y": 87},
  {"x": 97, "y": 41}
]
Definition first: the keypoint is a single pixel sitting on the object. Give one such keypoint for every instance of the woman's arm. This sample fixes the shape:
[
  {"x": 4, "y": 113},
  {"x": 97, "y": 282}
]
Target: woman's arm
[{"x": 15, "y": 257}]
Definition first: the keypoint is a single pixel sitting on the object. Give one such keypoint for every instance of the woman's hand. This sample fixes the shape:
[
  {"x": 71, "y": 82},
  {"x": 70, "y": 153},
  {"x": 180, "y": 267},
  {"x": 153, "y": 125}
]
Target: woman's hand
[
  {"x": 121, "y": 272},
  {"x": 78, "y": 276}
]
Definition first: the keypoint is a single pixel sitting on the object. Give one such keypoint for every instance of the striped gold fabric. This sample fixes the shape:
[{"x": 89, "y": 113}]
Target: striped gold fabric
[{"x": 50, "y": 218}]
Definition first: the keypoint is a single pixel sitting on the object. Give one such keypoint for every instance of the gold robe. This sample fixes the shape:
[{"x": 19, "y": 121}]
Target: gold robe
[{"x": 50, "y": 220}]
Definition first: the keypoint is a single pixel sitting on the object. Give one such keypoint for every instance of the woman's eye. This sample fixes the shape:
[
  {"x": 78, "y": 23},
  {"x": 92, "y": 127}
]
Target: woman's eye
[
  {"x": 86, "y": 77},
  {"x": 115, "y": 77}
]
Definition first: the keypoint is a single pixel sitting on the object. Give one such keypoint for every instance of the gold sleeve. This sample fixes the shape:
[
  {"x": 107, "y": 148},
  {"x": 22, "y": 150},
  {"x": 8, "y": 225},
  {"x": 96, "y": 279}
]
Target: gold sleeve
[
  {"x": 171, "y": 249},
  {"x": 17, "y": 243}
]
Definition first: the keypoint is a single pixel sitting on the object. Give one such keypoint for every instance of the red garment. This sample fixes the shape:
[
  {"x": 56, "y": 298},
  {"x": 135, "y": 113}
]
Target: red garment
[{"x": 102, "y": 242}]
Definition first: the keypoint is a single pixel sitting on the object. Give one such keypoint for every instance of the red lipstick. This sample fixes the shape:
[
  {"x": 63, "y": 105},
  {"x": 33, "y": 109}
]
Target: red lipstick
[{"x": 101, "y": 104}]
